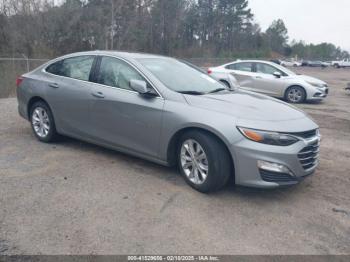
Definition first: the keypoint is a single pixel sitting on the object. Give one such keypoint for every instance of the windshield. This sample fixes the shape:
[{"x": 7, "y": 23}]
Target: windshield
[
  {"x": 181, "y": 77},
  {"x": 286, "y": 70}
]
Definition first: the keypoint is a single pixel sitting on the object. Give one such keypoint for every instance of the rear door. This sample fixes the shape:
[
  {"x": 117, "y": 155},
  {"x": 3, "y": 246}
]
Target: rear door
[
  {"x": 243, "y": 72},
  {"x": 266, "y": 82},
  {"x": 122, "y": 117},
  {"x": 69, "y": 94}
]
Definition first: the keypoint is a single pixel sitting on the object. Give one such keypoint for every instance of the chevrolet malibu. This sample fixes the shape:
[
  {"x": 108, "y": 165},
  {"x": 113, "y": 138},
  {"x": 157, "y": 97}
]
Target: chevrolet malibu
[{"x": 169, "y": 112}]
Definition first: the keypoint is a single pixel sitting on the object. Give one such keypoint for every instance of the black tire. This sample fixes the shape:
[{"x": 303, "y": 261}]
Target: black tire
[
  {"x": 51, "y": 135},
  {"x": 219, "y": 162},
  {"x": 299, "y": 89},
  {"x": 225, "y": 83}
]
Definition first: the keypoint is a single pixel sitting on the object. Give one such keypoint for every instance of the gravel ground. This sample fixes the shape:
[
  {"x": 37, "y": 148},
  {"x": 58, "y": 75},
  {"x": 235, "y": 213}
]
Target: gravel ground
[{"x": 76, "y": 198}]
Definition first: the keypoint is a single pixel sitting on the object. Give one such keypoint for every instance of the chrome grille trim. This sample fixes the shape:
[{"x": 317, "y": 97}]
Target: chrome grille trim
[{"x": 308, "y": 156}]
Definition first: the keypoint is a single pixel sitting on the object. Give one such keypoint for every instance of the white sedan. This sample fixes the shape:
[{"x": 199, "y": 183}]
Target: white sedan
[
  {"x": 270, "y": 79},
  {"x": 291, "y": 63}
]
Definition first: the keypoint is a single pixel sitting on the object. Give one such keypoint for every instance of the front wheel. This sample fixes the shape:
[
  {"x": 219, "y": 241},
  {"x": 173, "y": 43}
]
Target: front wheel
[
  {"x": 203, "y": 161},
  {"x": 295, "y": 94}
]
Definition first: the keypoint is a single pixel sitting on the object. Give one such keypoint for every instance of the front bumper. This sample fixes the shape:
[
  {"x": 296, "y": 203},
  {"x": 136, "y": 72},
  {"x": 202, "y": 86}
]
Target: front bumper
[
  {"x": 319, "y": 94},
  {"x": 301, "y": 159}
]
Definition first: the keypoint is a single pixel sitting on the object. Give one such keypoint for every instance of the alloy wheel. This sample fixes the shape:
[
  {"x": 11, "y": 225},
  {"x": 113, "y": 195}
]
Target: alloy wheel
[
  {"x": 194, "y": 161},
  {"x": 295, "y": 95},
  {"x": 41, "y": 122}
]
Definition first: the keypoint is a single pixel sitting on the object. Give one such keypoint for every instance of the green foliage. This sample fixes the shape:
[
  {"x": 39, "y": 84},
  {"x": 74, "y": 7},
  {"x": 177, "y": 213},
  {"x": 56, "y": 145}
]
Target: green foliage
[
  {"x": 277, "y": 36},
  {"x": 324, "y": 51}
]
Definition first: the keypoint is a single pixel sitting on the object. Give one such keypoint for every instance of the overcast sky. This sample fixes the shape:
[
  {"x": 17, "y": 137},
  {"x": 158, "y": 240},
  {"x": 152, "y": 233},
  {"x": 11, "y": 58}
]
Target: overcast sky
[{"x": 314, "y": 21}]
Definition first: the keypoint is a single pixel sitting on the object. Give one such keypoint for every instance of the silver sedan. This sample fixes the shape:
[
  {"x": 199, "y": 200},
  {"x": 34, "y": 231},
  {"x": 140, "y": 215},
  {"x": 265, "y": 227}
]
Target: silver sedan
[
  {"x": 271, "y": 79},
  {"x": 171, "y": 113}
]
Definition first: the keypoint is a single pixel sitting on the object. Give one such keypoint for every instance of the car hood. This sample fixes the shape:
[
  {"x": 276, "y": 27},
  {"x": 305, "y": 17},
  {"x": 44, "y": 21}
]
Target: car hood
[
  {"x": 247, "y": 105},
  {"x": 309, "y": 79},
  {"x": 254, "y": 110}
]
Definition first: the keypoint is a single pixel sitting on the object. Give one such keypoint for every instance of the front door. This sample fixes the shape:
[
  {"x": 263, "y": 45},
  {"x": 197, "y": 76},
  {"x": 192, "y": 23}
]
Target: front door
[
  {"x": 122, "y": 117},
  {"x": 266, "y": 82}
]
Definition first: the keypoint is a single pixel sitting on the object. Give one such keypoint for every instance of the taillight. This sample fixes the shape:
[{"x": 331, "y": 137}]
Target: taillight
[
  {"x": 19, "y": 81},
  {"x": 209, "y": 71}
]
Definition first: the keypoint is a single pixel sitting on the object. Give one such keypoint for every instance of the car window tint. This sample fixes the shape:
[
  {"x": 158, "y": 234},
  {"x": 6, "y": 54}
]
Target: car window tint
[
  {"x": 231, "y": 66},
  {"x": 117, "y": 73},
  {"x": 77, "y": 67},
  {"x": 246, "y": 67},
  {"x": 55, "y": 68},
  {"x": 265, "y": 69}
]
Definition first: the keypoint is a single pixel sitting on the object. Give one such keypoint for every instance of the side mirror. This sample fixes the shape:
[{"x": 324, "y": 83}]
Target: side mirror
[
  {"x": 139, "y": 86},
  {"x": 277, "y": 74}
]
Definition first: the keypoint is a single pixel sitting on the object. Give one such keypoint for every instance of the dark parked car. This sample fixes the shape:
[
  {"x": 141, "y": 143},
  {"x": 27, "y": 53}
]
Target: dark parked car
[
  {"x": 316, "y": 64},
  {"x": 305, "y": 63},
  {"x": 276, "y": 61}
]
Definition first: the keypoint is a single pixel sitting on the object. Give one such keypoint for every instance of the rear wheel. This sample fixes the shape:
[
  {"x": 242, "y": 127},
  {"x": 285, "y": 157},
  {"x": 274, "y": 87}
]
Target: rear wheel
[
  {"x": 203, "y": 161},
  {"x": 42, "y": 122},
  {"x": 295, "y": 94}
]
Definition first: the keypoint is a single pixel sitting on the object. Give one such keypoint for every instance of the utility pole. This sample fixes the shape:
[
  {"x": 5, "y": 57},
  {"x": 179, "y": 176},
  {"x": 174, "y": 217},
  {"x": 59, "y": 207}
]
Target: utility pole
[{"x": 112, "y": 25}]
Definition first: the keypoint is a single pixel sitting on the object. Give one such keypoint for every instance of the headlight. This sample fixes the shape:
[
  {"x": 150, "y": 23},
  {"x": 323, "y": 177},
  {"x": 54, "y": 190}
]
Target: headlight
[
  {"x": 269, "y": 138},
  {"x": 316, "y": 84}
]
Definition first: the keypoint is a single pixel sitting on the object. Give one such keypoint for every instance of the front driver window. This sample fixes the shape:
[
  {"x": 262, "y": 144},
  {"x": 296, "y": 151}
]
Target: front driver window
[
  {"x": 117, "y": 73},
  {"x": 266, "y": 69}
]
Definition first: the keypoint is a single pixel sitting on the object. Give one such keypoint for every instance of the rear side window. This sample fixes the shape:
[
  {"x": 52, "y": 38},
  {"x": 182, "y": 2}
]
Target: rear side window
[
  {"x": 54, "y": 68},
  {"x": 117, "y": 73},
  {"x": 75, "y": 67},
  {"x": 246, "y": 66}
]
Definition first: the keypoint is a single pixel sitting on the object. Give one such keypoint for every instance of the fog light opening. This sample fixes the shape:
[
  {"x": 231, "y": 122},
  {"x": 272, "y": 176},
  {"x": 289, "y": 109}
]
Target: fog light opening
[{"x": 274, "y": 167}]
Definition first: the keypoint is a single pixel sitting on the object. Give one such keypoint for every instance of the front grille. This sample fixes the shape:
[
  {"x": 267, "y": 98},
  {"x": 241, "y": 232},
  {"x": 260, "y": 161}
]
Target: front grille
[
  {"x": 306, "y": 134},
  {"x": 308, "y": 156},
  {"x": 270, "y": 176}
]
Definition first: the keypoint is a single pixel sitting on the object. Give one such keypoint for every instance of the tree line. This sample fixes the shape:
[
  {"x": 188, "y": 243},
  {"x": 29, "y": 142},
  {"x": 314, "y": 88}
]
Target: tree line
[{"x": 183, "y": 28}]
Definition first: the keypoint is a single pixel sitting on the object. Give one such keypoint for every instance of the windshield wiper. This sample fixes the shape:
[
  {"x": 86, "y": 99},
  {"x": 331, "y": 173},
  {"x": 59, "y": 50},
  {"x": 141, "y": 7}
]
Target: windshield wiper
[
  {"x": 191, "y": 93},
  {"x": 217, "y": 90}
]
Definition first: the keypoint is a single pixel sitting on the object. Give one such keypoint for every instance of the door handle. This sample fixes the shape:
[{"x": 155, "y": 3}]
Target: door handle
[
  {"x": 54, "y": 85},
  {"x": 98, "y": 95},
  {"x": 258, "y": 77}
]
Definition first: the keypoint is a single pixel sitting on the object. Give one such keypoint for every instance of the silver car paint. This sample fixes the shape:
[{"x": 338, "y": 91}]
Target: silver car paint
[
  {"x": 142, "y": 126},
  {"x": 269, "y": 84}
]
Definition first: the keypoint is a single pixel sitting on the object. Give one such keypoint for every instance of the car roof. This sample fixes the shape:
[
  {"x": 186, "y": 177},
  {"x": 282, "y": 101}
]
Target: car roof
[
  {"x": 249, "y": 61},
  {"x": 127, "y": 55}
]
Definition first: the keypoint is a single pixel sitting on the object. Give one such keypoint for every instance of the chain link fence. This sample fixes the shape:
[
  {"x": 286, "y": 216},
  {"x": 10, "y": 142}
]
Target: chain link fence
[{"x": 10, "y": 69}]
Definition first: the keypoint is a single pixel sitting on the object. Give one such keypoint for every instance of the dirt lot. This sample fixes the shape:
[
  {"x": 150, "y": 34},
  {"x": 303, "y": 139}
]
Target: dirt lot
[{"x": 76, "y": 198}]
